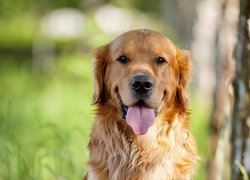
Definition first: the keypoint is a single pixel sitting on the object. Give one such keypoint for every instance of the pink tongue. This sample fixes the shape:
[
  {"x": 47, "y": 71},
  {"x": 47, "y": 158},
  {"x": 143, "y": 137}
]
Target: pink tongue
[{"x": 140, "y": 118}]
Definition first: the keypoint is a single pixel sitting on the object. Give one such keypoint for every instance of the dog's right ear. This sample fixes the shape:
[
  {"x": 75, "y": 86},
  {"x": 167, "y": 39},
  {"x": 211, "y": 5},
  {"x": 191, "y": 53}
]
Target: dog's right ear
[{"x": 100, "y": 58}]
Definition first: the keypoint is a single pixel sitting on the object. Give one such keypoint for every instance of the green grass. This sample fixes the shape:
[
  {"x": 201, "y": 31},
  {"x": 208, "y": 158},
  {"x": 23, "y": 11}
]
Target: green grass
[
  {"x": 200, "y": 129},
  {"x": 46, "y": 118}
]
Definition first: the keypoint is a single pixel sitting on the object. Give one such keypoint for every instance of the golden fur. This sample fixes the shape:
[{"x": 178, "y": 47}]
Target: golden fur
[{"x": 168, "y": 149}]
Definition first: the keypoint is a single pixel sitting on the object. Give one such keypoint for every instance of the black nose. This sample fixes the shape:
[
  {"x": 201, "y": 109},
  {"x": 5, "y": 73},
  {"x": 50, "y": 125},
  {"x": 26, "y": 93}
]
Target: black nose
[{"x": 142, "y": 84}]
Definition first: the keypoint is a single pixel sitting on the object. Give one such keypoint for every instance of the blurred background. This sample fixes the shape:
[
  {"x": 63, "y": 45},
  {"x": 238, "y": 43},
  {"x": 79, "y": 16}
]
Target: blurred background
[{"x": 46, "y": 82}]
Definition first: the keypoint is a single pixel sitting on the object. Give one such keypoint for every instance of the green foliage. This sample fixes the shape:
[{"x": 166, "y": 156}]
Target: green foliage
[
  {"x": 22, "y": 38},
  {"x": 12, "y": 8}
]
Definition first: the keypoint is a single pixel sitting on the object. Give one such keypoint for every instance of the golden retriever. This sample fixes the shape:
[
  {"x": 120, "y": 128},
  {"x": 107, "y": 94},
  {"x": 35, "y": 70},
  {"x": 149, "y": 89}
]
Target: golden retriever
[{"x": 142, "y": 117}]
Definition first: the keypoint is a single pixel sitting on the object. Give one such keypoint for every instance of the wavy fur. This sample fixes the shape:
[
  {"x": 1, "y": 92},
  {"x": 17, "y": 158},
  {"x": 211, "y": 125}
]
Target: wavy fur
[{"x": 168, "y": 149}]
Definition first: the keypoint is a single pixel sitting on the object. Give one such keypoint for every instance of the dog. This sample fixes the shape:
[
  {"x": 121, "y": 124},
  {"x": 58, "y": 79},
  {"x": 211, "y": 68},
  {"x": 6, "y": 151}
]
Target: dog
[{"x": 141, "y": 125}]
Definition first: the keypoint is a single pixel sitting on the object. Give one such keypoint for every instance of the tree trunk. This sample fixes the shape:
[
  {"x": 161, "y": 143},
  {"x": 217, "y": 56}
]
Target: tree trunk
[{"x": 240, "y": 137}]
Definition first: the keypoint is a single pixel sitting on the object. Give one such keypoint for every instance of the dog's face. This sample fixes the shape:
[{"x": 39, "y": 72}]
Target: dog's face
[{"x": 140, "y": 72}]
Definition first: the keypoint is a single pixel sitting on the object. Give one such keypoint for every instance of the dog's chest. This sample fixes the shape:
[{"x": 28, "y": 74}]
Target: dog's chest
[
  {"x": 148, "y": 164},
  {"x": 162, "y": 170}
]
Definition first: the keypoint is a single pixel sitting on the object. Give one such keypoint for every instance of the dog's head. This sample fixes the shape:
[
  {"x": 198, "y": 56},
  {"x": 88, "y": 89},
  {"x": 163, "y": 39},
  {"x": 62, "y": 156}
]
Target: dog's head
[{"x": 141, "y": 71}]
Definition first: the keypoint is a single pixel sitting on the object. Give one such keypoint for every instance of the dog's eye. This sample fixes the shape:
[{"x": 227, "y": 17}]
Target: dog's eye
[
  {"x": 160, "y": 61},
  {"x": 122, "y": 59}
]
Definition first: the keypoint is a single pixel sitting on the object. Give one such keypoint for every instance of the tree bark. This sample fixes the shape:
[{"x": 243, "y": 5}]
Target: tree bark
[
  {"x": 240, "y": 137},
  {"x": 224, "y": 66}
]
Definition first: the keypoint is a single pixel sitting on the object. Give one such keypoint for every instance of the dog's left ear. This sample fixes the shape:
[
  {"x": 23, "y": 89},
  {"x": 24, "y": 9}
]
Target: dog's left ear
[
  {"x": 100, "y": 58},
  {"x": 185, "y": 71}
]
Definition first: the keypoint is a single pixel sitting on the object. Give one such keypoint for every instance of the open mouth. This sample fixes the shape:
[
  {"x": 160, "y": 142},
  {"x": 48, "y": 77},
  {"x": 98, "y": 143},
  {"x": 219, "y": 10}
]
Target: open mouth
[
  {"x": 124, "y": 108},
  {"x": 139, "y": 116}
]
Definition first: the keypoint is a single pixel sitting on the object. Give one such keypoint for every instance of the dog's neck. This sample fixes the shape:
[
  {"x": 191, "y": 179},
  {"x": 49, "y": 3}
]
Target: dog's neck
[{"x": 156, "y": 148}]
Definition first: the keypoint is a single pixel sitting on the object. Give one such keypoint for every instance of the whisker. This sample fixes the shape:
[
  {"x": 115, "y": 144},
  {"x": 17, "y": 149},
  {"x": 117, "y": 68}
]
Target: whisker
[{"x": 108, "y": 102}]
